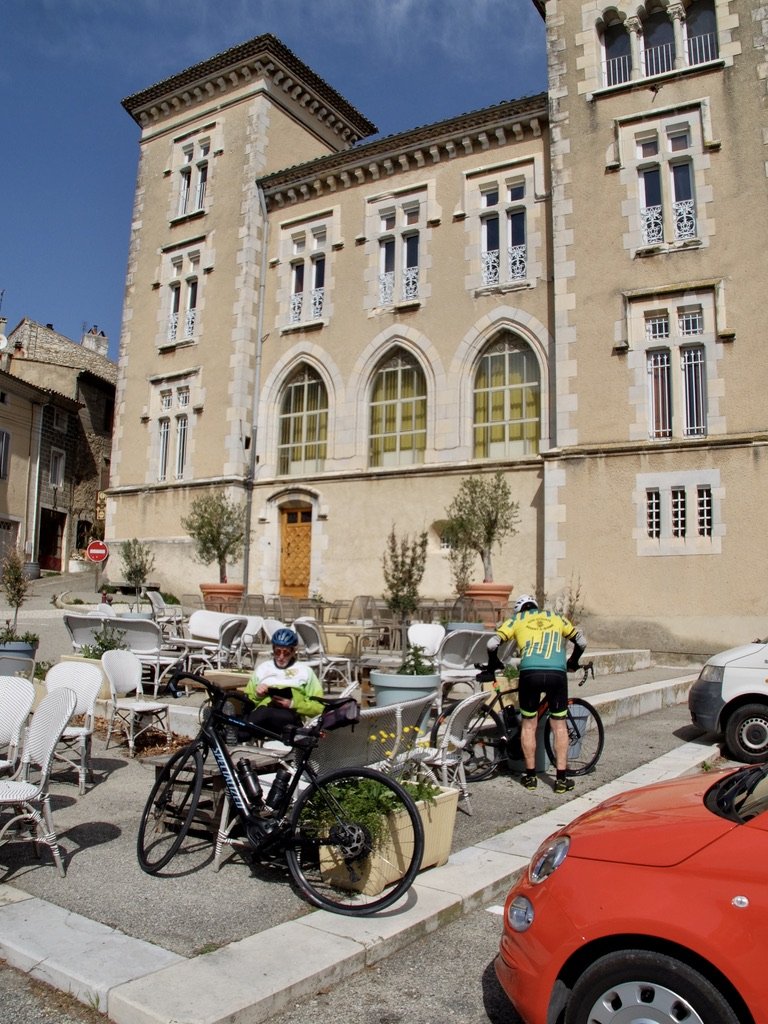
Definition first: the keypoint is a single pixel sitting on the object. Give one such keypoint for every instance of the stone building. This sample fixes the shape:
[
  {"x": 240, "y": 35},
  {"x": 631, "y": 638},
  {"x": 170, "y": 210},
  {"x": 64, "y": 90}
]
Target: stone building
[
  {"x": 76, "y": 436},
  {"x": 337, "y": 331}
]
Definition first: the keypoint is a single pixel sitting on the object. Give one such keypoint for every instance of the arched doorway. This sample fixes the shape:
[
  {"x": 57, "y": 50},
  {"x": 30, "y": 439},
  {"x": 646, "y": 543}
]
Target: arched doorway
[{"x": 295, "y": 549}]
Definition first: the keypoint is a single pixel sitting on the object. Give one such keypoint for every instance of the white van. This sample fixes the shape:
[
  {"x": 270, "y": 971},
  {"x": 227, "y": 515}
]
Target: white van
[{"x": 731, "y": 697}]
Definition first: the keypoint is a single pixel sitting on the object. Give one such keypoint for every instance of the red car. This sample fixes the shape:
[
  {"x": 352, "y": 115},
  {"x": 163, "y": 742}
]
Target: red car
[{"x": 652, "y": 907}]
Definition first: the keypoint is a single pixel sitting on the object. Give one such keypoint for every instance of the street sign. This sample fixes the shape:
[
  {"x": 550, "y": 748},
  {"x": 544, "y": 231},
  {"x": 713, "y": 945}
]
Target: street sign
[{"x": 97, "y": 551}]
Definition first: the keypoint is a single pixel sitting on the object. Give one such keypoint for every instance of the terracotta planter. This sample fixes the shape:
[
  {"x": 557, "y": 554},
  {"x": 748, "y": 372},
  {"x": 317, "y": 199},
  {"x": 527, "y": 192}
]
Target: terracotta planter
[
  {"x": 496, "y": 593},
  {"x": 222, "y": 597},
  {"x": 385, "y": 867}
]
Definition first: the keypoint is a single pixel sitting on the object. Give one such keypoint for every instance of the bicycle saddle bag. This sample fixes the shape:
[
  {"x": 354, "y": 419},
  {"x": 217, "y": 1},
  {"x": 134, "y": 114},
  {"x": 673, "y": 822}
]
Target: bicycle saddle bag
[{"x": 346, "y": 713}]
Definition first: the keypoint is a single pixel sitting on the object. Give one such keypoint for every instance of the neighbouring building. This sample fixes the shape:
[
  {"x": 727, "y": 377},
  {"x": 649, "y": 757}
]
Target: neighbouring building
[
  {"x": 565, "y": 287},
  {"x": 70, "y": 442}
]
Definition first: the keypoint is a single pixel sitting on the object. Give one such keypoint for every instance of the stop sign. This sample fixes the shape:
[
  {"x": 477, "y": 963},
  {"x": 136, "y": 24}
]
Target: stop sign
[{"x": 97, "y": 551}]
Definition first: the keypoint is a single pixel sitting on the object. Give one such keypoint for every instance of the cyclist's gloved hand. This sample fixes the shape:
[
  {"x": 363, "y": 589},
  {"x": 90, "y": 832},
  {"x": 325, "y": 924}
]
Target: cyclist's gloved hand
[
  {"x": 486, "y": 674},
  {"x": 573, "y": 662}
]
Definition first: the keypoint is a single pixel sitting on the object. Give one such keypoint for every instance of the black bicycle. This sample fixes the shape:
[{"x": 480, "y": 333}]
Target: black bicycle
[
  {"x": 492, "y": 736},
  {"x": 353, "y": 839}
]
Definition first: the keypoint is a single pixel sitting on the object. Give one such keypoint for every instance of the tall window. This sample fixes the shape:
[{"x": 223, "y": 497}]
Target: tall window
[
  {"x": 400, "y": 226},
  {"x": 507, "y": 401},
  {"x": 701, "y": 32},
  {"x": 183, "y": 302},
  {"x": 663, "y": 385},
  {"x": 173, "y": 428},
  {"x": 164, "y": 437},
  {"x": 398, "y": 413},
  {"x": 704, "y": 510},
  {"x": 57, "y": 468},
  {"x": 678, "y": 512},
  {"x": 5, "y": 454},
  {"x": 193, "y": 178},
  {"x": 308, "y": 275},
  {"x": 182, "y": 424},
  {"x": 653, "y": 513},
  {"x": 504, "y": 251},
  {"x": 658, "y": 44},
  {"x": 618, "y": 57},
  {"x": 667, "y": 205},
  {"x": 303, "y": 426}
]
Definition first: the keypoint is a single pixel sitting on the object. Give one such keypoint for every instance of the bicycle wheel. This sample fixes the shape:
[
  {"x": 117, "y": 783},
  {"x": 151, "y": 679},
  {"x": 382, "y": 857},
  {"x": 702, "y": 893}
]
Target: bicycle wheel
[
  {"x": 485, "y": 742},
  {"x": 356, "y": 841},
  {"x": 170, "y": 808},
  {"x": 586, "y": 736}
]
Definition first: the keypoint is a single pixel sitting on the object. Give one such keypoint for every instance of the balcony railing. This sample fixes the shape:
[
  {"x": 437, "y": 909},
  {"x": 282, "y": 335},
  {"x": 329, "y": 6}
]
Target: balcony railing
[
  {"x": 658, "y": 59},
  {"x": 318, "y": 300},
  {"x": 491, "y": 265},
  {"x": 190, "y": 321},
  {"x": 702, "y": 48},
  {"x": 685, "y": 219},
  {"x": 410, "y": 283},
  {"x": 297, "y": 303},
  {"x": 173, "y": 326},
  {"x": 517, "y": 268},
  {"x": 618, "y": 69},
  {"x": 652, "y": 221},
  {"x": 518, "y": 262}
]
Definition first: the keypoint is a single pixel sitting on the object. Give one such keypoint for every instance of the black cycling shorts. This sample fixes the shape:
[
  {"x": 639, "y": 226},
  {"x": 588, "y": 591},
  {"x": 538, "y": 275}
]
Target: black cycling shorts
[{"x": 553, "y": 683}]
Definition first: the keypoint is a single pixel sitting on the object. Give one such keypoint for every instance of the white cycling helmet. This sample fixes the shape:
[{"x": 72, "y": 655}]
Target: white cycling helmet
[{"x": 524, "y": 602}]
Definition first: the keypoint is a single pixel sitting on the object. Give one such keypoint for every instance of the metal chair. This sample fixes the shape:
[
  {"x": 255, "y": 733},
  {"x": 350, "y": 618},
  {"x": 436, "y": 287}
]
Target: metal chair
[
  {"x": 213, "y": 641},
  {"x": 444, "y": 764},
  {"x": 132, "y": 715},
  {"x": 74, "y": 746},
  {"x": 17, "y": 695},
  {"x": 26, "y": 794},
  {"x": 169, "y": 617},
  {"x": 330, "y": 667}
]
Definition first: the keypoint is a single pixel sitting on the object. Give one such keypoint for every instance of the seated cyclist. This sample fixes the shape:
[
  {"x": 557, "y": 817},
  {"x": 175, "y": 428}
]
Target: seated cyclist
[
  {"x": 541, "y": 638},
  {"x": 283, "y": 691}
]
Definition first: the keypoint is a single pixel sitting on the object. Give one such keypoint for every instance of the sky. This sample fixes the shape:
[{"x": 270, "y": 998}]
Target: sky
[{"x": 70, "y": 151}]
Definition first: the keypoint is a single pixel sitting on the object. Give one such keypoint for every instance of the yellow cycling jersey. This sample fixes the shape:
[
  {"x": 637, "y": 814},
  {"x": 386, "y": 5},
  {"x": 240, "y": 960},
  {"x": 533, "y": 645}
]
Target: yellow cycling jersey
[{"x": 540, "y": 637}]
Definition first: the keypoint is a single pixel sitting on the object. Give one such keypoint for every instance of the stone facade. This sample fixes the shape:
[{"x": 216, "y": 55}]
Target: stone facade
[{"x": 337, "y": 332}]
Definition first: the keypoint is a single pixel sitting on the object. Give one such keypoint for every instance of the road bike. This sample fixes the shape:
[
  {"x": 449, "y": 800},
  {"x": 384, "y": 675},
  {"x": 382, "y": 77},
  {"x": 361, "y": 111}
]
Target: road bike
[
  {"x": 492, "y": 736},
  {"x": 353, "y": 839}
]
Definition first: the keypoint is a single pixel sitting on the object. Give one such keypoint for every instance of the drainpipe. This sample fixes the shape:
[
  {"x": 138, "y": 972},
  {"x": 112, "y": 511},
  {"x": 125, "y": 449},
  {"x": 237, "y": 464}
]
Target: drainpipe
[{"x": 250, "y": 479}]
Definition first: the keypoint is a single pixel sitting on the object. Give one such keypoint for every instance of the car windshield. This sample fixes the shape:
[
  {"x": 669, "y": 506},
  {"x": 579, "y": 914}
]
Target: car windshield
[{"x": 740, "y": 796}]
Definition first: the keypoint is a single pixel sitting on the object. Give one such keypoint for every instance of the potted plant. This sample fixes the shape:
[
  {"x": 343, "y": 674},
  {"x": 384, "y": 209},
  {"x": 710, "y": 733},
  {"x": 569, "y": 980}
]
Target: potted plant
[
  {"x": 371, "y": 805},
  {"x": 480, "y": 516},
  {"x": 217, "y": 527},
  {"x": 137, "y": 563},
  {"x": 416, "y": 677},
  {"x": 403, "y": 563},
  {"x": 15, "y": 585}
]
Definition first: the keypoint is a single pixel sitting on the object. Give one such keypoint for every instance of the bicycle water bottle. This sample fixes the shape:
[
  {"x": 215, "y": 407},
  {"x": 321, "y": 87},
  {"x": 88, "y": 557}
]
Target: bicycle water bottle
[
  {"x": 250, "y": 780},
  {"x": 279, "y": 787}
]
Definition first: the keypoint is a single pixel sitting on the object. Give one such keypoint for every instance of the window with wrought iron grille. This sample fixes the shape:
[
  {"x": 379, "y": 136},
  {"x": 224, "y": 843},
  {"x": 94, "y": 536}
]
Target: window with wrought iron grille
[
  {"x": 193, "y": 177},
  {"x": 183, "y": 297},
  {"x": 507, "y": 400},
  {"x": 503, "y": 245},
  {"x": 303, "y": 424},
  {"x": 653, "y": 513},
  {"x": 667, "y": 204},
  {"x": 308, "y": 258},
  {"x": 677, "y": 334},
  {"x": 678, "y": 512},
  {"x": 398, "y": 413},
  {"x": 400, "y": 227},
  {"x": 704, "y": 511}
]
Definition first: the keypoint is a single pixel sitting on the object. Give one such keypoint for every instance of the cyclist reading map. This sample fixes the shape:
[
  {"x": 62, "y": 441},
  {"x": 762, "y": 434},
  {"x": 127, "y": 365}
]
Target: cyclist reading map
[
  {"x": 283, "y": 689},
  {"x": 541, "y": 638}
]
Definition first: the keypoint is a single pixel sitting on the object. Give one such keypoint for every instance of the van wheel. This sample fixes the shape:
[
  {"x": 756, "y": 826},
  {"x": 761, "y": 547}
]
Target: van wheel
[{"x": 746, "y": 734}]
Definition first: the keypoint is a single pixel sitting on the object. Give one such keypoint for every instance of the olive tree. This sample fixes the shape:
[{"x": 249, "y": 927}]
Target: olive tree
[{"x": 217, "y": 527}]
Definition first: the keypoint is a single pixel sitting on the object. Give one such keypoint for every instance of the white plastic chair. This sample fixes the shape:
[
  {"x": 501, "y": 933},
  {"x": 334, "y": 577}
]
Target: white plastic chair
[
  {"x": 330, "y": 668},
  {"x": 170, "y": 617},
  {"x": 428, "y": 636},
  {"x": 26, "y": 794},
  {"x": 74, "y": 746},
  {"x": 17, "y": 695},
  {"x": 132, "y": 715},
  {"x": 445, "y": 762}
]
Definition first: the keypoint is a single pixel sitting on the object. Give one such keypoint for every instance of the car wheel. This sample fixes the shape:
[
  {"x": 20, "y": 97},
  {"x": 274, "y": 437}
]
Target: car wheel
[
  {"x": 636, "y": 986},
  {"x": 746, "y": 733}
]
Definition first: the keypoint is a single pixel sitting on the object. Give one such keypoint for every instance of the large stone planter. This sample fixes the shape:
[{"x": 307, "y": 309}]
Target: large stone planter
[
  {"x": 384, "y": 867},
  {"x": 222, "y": 597},
  {"x": 393, "y": 688}
]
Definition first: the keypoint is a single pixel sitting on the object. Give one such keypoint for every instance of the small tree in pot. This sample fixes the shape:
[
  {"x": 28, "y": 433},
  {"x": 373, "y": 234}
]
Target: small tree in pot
[
  {"x": 15, "y": 584},
  {"x": 217, "y": 526},
  {"x": 137, "y": 563},
  {"x": 404, "y": 563},
  {"x": 481, "y": 515}
]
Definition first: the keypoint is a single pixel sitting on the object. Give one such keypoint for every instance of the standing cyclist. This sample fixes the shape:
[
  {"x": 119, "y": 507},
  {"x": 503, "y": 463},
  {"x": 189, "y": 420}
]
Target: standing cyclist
[
  {"x": 283, "y": 690},
  {"x": 541, "y": 639}
]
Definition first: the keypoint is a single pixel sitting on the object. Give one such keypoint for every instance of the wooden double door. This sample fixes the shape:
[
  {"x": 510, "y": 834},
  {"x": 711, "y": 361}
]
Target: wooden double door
[{"x": 295, "y": 550}]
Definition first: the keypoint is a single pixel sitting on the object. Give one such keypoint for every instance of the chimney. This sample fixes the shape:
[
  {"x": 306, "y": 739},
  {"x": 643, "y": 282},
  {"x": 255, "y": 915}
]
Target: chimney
[{"x": 96, "y": 341}]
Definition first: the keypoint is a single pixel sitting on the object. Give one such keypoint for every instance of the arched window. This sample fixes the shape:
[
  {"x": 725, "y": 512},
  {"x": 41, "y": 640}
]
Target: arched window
[
  {"x": 701, "y": 32},
  {"x": 398, "y": 422},
  {"x": 618, "y": 55},
  {"x": 658, "y": 43},
  {"x": 303, "y": 427},
  {"x": 507, "y": 400}
]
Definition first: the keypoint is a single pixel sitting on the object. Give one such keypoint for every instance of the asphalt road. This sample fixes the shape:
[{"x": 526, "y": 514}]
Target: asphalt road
[{"x": 443, "y": 977}]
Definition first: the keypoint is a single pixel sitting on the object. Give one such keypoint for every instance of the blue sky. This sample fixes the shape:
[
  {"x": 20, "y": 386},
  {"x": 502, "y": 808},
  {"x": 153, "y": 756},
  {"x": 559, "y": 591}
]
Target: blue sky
[{"x": 69, "y": 157}]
